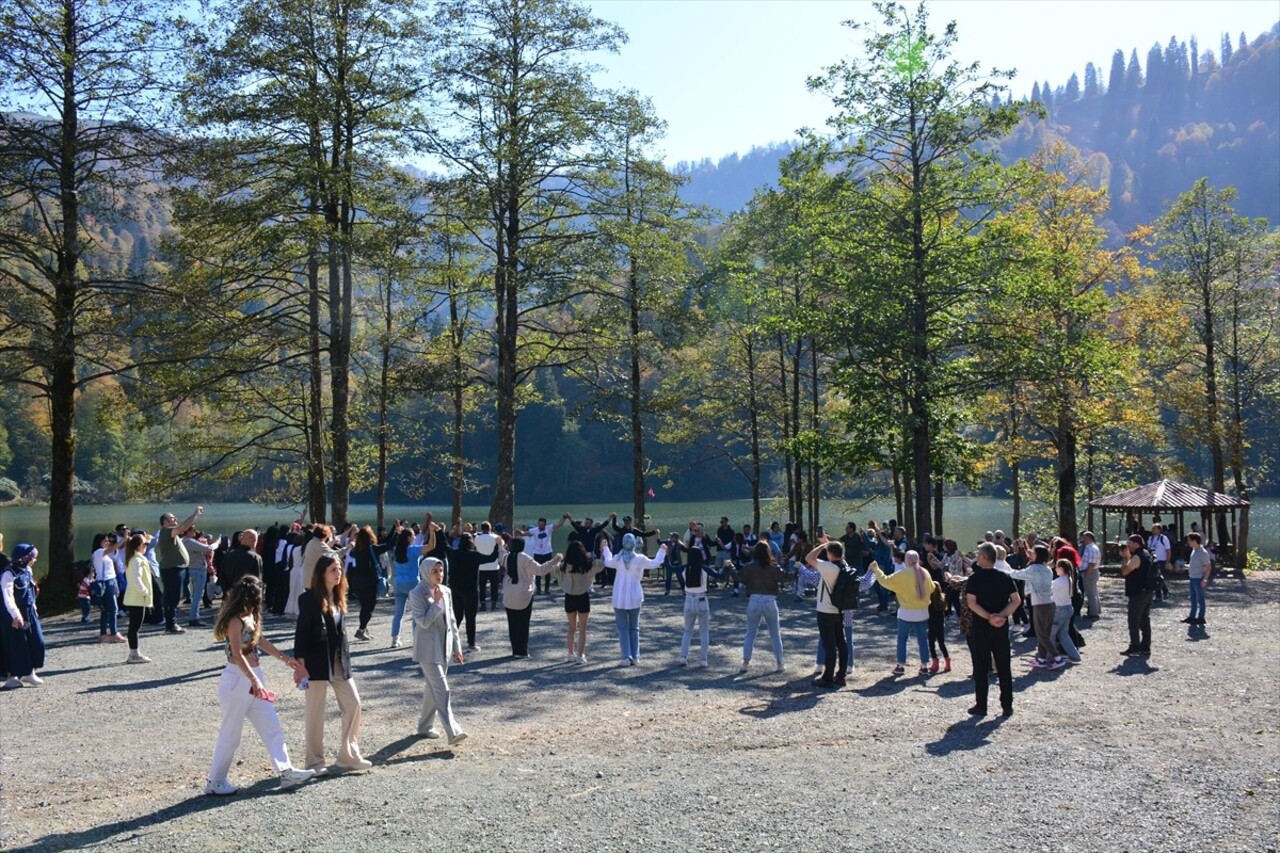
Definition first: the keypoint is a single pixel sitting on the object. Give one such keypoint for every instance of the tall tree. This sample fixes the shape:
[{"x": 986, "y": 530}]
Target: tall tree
[
  {"x": 920, "y": 120},
  {"x": 522, "y": 121},
  {"x": 79, "y": 81}
]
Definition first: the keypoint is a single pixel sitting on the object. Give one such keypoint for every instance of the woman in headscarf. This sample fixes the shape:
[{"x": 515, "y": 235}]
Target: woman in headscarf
[
  {"x": 435, "y": 641},
  {"x": 627, "y": 593},
  {"x": 520, "y": 571},
  {"x": 23, "y": 639}
]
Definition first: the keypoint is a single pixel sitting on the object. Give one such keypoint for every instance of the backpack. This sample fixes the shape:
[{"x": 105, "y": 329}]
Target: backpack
[
  {"x": 1150, "y": 571},
  {"x": 844, "y": 595}
]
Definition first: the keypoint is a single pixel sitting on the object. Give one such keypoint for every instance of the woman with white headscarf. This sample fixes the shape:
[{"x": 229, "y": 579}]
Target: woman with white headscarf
[
  {"x": 23, "y": 639},
  {"x": 627, "y": 593},
  {"x": 435, "y": 642}
]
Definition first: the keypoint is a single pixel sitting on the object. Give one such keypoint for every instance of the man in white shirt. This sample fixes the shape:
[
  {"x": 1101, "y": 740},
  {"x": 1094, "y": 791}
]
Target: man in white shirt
[
  {"x": 538, "y": 544},
  {"x": 830, "y": 621},
  {"x": 1161, "y": 550},
  {"x": 488, "y": 542},
  {"x": 1090, "y": 564}
]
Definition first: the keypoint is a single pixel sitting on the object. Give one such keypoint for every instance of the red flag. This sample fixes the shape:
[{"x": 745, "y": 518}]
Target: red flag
[{"x": 652, "y": 494}]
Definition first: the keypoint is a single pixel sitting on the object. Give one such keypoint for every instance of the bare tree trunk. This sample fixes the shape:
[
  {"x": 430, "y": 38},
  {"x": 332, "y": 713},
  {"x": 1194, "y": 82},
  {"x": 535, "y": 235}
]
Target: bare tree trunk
[
  {"x": 633, "y": 395},
  {"x": 62, "y": 379},
  {"x": 753, "y": 421},
  {"x": 1015, "y": 476},
  {"x": 502, "y": 508},
  {"x": 937, "y": 508},
  {"x": 1068, "y": 481}
]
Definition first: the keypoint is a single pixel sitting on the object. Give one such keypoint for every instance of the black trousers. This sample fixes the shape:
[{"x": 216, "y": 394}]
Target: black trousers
[
  {"x": 466, "y": 596},
  {"x": 172, "y": 580},
  {"x": 493, "y": 581},
  {"x": 366, "y": 592},
  {"x": 540, "y": 580},
  {"x": 986, "y": 643},
  {"x": 518, "y": 629},
  {"x": 135, "y": 622},
  {"x": 1140, "y": 620},
  {"x": 831, "y": 632},
  {"x": 937, "y": 634},
  {"x": 275, "y": 591}
]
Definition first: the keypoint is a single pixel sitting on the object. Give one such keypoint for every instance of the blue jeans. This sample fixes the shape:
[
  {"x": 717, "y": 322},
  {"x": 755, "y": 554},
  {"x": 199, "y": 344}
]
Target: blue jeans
[
  {"x": 199, "y": 577},
  {"x": 696, "y": 609},
  {"x": 1197, "y": 599},
  {"x": 848, "y": 639},
  {"x": 628, "y": 632},
  {"x": 763, "y": 607},
  {"x": 107, "y": 624},
  {"x": 921, "y": 630},
  {"x": 1061, "y": 632},
  {"x": 402, "y": 597}
]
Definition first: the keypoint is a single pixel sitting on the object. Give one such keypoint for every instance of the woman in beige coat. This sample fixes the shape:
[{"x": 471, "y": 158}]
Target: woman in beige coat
[{"x": 435, "y": 640}]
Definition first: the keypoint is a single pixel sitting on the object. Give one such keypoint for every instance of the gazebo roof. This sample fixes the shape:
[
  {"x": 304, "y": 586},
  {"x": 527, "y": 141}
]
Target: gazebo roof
[{"x": 1168, "y": 494}]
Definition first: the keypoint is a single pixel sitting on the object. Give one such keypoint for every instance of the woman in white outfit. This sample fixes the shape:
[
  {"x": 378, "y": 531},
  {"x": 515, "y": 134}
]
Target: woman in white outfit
[
  {"x": 241, "y": 691},
  {"x": 435, "y": 641},
  {"x": 297, "y": 575},
  {"x": 627, "y": 594}
]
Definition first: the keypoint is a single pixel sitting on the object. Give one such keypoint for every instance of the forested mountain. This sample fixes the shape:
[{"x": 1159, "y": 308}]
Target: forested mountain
[{"x": 1155, "y": 124}]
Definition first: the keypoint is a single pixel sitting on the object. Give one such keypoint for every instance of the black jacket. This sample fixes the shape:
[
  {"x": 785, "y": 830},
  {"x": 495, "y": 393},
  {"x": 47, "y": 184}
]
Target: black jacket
[
  {"x": 316, "y": 638},
  {"x": 236, "y": 563}
]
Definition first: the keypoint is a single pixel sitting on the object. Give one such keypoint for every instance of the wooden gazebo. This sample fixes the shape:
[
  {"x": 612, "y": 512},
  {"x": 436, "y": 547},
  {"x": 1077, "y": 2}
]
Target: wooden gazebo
[{"x": 1171, "y": 500}]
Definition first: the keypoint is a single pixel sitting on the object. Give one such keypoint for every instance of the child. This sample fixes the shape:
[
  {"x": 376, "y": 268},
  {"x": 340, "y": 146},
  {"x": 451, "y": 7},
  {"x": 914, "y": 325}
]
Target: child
[
  {"x": 82, "y": 594},
  {"x": 1060, "y": 634}
]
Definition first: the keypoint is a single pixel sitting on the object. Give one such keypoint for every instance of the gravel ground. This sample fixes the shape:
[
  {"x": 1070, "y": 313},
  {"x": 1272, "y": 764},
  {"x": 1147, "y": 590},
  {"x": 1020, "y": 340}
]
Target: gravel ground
[{"x": 1178, "y": 752}]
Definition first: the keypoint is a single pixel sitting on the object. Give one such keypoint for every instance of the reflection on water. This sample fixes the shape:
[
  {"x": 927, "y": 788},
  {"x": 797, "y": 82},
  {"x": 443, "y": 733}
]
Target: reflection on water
[{"x": 965, "y": 519}]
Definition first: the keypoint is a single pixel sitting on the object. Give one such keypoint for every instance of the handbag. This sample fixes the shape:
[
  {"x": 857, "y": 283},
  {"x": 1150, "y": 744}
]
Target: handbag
[
  {"x": 383, "y": 586},
  {"x": 96, "y": 590}
]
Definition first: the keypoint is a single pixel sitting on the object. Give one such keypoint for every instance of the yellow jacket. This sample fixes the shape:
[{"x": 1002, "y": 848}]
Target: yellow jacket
[
  {"x": 138, "y": 593},
  {"x": 903, "y": 584}
]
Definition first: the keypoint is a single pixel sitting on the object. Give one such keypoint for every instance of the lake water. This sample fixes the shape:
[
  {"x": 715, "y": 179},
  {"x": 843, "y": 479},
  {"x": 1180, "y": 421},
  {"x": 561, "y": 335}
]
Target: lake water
[{"x": 965, "y": 519}]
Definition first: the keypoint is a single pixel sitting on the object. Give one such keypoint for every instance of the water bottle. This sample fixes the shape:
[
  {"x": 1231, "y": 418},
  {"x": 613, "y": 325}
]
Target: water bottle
[{"x": 304, "y": 684}]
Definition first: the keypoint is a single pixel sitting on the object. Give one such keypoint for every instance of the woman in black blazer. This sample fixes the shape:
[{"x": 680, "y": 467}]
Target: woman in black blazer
[{"x": 324, "y": 658}]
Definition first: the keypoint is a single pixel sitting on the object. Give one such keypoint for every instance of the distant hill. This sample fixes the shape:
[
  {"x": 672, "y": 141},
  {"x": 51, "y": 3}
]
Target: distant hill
[{"x": 1153, "y": 128}]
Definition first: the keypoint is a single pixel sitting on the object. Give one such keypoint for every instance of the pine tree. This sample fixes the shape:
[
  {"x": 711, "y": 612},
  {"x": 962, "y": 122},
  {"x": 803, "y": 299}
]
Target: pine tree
[
  {"x": 1091, "y": 87},
  {"x": 1072, "y": 93},
  {"x": 1226, "y": 48},
  {"x": 1133, "y": 79},
  {"x": 1116, "y": 82}
]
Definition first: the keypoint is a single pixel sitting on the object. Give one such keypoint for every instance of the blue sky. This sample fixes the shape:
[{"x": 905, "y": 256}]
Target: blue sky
[{"x": 730, "y": 74}]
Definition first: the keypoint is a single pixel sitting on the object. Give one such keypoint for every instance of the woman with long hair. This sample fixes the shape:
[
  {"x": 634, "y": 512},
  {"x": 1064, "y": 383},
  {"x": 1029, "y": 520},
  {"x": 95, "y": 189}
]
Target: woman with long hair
[
  {"x": 104, "y": 572},
  {"x": 914, "y": 589},
  {"x": 242, "y": 692},
  {"x": 364, "y": 571},
  {"x": 464, "y": 581},
  {"x": 518, "y": 576},
  {"x": 435, "y": 641},
  {"x": 628, "y": 596},
  {"x": 404, "y": 568},
  {"x": 324, "y": 658},
  {"x": 139, "y": 595},
  {"x": 576, "y": 575},
  {"x": 696, "y": 609},
  {"x": 763, "y": 579}
]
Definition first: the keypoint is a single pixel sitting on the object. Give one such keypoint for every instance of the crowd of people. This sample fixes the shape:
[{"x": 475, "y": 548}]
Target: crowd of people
[{"x": 440, "y": 579}]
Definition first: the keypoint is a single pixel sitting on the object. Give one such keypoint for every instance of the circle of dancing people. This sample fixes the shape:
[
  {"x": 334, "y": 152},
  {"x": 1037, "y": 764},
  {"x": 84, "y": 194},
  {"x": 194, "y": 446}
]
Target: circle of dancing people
[{"x": 438, "y": 580}]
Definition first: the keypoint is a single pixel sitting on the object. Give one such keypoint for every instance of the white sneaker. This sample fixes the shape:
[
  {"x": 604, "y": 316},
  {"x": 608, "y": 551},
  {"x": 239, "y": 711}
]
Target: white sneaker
[
  {"x": 457, "y": 739},
  {"x": 32, "y": 680},
  {"x": 12, "y": 682},
  {"x": 571, "y": 659},
  {"x": 136, "y": 656},
  {"x": 293, "y": 777},
  {"x": 624, "y": 662},
  {"x": 222, "y": 788},
  {"x": 582, "y": 658},
  {"x": 434, "y": 734},
  {"x": 395, "y": 642}
]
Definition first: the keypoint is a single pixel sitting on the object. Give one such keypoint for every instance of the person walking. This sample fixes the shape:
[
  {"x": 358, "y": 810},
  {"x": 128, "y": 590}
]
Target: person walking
[
  {"x": 628, "y": 596},
  {"x": 139, "y": 596},
  {"x": 435, "y": 641},
  {"x": 762, "y": 579},
  {"x": 517, "y": 592},
  {"x": 1039, "y": 581},
  {"x": 324, "y": 658},
  {"x": 991, "y": 597},
  {"x": 1199, "y": 570},
  {"x": 364, "y": 569},
  {"x": 21, "y": 636},
  {"x": 577, "y": 573},
  {"x": 914, "y": 588},
  {"x": 242, "y": 692}
]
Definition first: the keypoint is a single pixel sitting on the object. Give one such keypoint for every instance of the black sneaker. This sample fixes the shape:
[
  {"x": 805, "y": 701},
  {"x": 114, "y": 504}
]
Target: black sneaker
[
  {"x": 175, "y": 629},
  {"x": 1007, "y": 712},
  {"x": 823, "y": 682},
  {"x": 978, "y": 711},
  {"x": 1130, "y": 652}
]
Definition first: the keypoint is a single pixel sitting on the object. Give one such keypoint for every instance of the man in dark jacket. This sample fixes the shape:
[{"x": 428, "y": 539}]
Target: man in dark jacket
[{"x": 241, "y": 560}]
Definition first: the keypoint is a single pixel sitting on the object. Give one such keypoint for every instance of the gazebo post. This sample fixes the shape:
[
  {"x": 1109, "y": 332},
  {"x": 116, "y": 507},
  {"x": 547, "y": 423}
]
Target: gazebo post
[{"x": 1242, "y": 556}]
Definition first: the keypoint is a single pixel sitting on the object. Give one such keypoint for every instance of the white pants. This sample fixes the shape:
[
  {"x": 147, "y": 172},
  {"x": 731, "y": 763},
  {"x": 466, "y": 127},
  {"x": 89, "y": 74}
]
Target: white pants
[
  {"x": 295, "y": 590},
  {"x": 436, "y": 700},
  {"x": 237, "y": 706}
]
